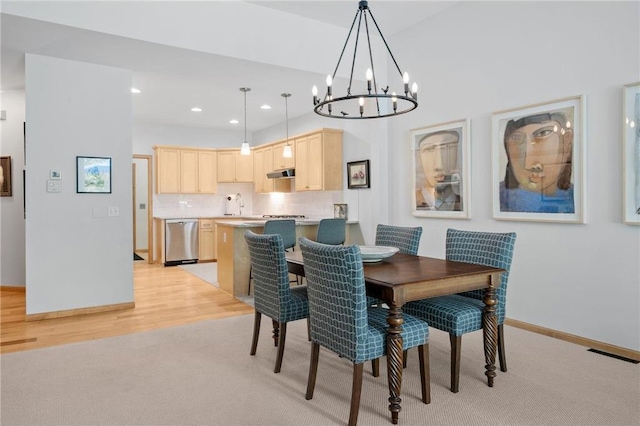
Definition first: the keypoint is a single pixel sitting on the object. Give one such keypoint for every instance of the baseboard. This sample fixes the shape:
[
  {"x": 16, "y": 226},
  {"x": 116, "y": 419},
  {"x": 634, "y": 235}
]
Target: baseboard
[
  {"x": 583, "y": 341},
  {"x": 12, "y": 288},
  {"x": 81, "y": 311}
]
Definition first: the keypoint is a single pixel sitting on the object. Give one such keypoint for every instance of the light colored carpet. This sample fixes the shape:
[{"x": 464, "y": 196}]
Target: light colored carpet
[{"x": 202, "y": 374}]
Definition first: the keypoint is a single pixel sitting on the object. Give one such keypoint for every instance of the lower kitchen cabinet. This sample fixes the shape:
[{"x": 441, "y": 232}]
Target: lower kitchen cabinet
[{"x": 207, "y": 240}]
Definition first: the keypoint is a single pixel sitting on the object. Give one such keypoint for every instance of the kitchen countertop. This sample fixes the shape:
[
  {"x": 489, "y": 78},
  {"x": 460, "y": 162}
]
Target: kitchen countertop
[{"x": 248, "y": 223}]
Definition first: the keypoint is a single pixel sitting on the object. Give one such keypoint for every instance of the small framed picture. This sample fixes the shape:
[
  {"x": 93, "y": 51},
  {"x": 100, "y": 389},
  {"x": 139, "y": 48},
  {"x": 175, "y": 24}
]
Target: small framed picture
[
  {"x": 93, "y": 175},
  {"x": 631, "y": 166},
  {"x": 340, "y": 211},
  {"x": 358, "y": 174},
  {"x": 5, "y": 176}
]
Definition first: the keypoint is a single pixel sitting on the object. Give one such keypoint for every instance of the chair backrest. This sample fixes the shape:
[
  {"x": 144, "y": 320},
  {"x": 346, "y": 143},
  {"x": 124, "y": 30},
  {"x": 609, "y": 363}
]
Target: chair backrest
[
  {"x": 337, "y": 300},
  {"x": 331, "y": 231},
  {"x": 270, "y": 273},
  {"x": 407, "y": 239},
  {"x": 484, "y": 248},
  {"x": 286, "y": 228}
]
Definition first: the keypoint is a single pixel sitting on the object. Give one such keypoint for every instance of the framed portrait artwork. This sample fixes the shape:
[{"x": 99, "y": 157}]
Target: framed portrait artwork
[
  {"x": 631, "y": 146},
  {"x": 358, "y": 174},
  {"x": 5, "y": 176},
  {"x": 539, "y": 162},
  {"x": 441, "y": 170},
  {"x": 93, "y": 175}
]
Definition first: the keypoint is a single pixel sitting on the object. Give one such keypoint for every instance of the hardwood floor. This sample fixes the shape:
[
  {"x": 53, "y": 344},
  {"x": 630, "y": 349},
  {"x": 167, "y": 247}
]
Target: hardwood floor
[{"x": 164, "y": 297}]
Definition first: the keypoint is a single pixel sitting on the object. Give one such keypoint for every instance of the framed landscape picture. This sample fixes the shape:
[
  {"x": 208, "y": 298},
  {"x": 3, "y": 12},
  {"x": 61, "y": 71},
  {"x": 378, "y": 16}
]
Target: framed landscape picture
[
  {"x": 539, "y": 162},
  {"x": 631, "y": 156},
  {"x": 441, "y": 170},
  {"x": 93, "y": 175},
  {"x": 5, "y": 176}
]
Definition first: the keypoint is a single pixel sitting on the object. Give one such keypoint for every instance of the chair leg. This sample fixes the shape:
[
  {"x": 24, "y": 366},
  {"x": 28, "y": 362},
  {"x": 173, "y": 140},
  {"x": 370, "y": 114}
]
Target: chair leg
[
  {"x": 308, "y": 329},
  {"x": 256, "y": 332},
  {"x": 356, "y": 390},
  {"x": 375, "y": 367},
  {"x": 283, "y": 338},
  {"x": 456, "y": 345},
  {"x": 502, "y": 356},
  {"x": 276, "y": 331},
  {"x": 313, "y": 370},
  {"x": 425, "y": 373},
  {"x": 250, "y": 277},
  {"x": 404, "y": 359}
]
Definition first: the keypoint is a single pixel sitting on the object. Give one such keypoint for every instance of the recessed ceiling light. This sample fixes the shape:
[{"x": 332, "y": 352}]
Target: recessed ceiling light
[
  {"x": 234, "y": 121},
  {"x": 196, "y": 109},
  {"x": 134, "y": 90},
  {"x": 265, "y": 106}
]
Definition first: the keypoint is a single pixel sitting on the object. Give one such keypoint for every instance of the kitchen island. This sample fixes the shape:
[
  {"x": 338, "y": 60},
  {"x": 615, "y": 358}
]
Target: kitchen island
[{"x": 233, "y": 253}]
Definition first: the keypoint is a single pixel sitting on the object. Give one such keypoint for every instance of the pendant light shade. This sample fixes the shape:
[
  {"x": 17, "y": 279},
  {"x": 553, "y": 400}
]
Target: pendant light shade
[
  {"x": 287, "y": 152},
  {"x": 244, "y": 148},
  {"x": 372, "y": 101}
]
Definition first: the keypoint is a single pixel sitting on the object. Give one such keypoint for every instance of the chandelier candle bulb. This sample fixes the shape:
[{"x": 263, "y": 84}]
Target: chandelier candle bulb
[
  {"x": 314, "y": 92},
  {"x": 361, "y": 102},
  {"x": 329, "y": 83},
  {"x": 405, "y": 80},
  {"x": 414, "y": 90},
  {"x": 395, "y": 102},
  {"x": 369, "y": 76}
]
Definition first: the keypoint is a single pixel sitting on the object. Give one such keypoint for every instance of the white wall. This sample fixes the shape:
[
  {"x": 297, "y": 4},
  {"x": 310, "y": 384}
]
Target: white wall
[
  {"x": 477, "y": 58},
  {"x": 471, "y": 60},
  {"x": 73, "y": 258},
  {"x": 12, "y": 271}
]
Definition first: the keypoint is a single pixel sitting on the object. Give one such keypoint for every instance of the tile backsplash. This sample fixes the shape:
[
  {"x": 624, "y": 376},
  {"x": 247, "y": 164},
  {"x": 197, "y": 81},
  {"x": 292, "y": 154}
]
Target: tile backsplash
[{"x": 313, "y": 204}]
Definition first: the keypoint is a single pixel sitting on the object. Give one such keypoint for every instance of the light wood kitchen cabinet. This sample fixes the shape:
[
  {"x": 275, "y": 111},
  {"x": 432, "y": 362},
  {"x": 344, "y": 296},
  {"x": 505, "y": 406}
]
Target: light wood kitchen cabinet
[
  {"x": 167, "y": 170},
  {"x": 234, "y": 167},
  {"x": 206, "y": 240},
  {"x": 185, "y": 171},
  {"x": 319, "y": 161},
  {"x": 262, "y": 164},
  {"x": 280, "y": 162}
]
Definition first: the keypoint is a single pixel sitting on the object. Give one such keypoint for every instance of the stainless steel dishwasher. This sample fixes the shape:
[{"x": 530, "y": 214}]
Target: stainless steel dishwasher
[{"x": 180, "y": 241}]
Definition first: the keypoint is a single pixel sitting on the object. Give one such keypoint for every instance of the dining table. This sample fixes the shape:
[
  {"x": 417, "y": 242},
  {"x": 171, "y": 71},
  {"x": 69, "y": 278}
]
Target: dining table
[{"x": 402, "y": 278}]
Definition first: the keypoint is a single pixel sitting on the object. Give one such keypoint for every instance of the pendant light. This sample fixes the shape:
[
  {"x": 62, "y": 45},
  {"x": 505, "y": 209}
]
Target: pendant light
[
  {"x": 287, "y": 152},
  {"x": 375, "y": 102},
  {"x": 244, "y": 149}
]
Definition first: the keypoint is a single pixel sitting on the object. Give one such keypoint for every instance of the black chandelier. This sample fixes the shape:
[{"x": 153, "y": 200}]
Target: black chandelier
[{"x": 373, "y": 103}]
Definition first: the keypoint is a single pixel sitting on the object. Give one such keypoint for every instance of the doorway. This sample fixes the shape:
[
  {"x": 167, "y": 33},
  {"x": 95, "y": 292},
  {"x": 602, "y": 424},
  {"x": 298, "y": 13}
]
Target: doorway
[{"x": 142, "y": 207}]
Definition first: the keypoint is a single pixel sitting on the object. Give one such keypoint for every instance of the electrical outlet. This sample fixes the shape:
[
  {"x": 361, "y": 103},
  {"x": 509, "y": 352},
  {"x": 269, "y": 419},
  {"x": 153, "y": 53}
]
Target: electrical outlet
[{"x": 113, "y": 211}]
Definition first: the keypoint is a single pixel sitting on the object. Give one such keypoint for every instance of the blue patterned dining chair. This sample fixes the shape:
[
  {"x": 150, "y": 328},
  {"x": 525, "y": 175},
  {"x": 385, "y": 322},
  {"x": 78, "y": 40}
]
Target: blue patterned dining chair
[
  {"x": 287, "y": 229},
  {"x": 274, "y": 297},
  {"x": 340, "y": 320},
  {"x": 407, "y": 239},
  {"x": 332, "y": 231},
  {"x": 459, "y": 314}
]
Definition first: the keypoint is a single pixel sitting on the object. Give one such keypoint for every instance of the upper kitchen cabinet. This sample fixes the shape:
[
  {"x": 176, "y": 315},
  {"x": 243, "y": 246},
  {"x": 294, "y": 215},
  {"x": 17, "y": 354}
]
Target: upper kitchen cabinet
[
  {"x": 280, "y": 162},
  {"x": 234, "y": 167},
  {"x": 263, "y": 164},
  {"x": 185, "y": 171},
  {"x": 319, "y": 161}
]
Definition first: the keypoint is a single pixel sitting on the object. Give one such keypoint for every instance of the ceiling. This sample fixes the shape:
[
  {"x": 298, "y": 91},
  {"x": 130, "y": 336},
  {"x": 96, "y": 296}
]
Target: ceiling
[{"x": 173, "y": 80}]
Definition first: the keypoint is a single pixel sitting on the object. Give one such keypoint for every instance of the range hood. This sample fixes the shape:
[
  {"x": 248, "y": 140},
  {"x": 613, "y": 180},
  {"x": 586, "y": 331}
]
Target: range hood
[{"x": 279, "y": 174}]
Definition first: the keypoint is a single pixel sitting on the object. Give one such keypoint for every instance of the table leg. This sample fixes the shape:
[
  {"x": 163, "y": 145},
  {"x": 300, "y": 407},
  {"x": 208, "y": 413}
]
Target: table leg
[
  {"x": 394, "y": 360},
  {"x": 490, "y": 329}
]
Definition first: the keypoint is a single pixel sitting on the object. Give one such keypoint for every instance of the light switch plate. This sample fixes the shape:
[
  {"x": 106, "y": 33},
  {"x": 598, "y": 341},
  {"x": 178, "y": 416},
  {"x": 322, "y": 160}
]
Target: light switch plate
[
  {"x": 113, "y": 211},
  {"x": 54, "y": 186}
]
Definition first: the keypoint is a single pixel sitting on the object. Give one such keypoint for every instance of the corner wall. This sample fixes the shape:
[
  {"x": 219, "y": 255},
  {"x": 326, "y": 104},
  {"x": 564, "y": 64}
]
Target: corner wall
[
  {"x": 77, "y": 256},
  {"x": 480, "y": 57}
]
